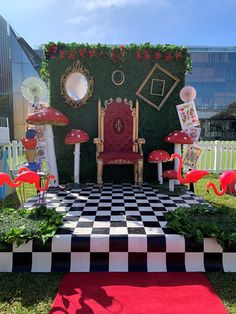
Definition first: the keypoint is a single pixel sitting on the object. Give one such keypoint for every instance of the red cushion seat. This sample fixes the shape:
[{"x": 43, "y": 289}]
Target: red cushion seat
[{"x": 120, "y": 157}]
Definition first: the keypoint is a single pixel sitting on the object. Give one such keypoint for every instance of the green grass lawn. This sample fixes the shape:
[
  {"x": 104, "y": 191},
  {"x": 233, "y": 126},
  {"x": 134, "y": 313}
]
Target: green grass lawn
[{"x": 25, "y": 293}]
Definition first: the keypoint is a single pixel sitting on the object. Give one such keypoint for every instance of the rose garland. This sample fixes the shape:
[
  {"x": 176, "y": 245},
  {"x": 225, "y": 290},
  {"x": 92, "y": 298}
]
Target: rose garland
[{"x": 116, "y": 54}]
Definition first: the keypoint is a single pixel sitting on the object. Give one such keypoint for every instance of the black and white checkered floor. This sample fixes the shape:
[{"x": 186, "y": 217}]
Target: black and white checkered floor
[{"x": 120, "y": 228}]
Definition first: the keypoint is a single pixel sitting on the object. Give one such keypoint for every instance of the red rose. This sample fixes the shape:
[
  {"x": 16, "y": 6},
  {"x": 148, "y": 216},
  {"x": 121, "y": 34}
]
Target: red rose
[
  {"x": 91, "y": 53},
  {"x": 71, "y": 55},
  {"x": 52, "y": 48},
  {"x": 178, "y": 55},
  {"x": 61, "y": 54},
  {"x": 113, "y": 55},
  {"x": 82, "y": 52},
  {"x": 147, "y": 55},
  {"x": 138, "y": 55},
  {"x": 168, "y": 56},
  {"x": 158, "y": 55}
]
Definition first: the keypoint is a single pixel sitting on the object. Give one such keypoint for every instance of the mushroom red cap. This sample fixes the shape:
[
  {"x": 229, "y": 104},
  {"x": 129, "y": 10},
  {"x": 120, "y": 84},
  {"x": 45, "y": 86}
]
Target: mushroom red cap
[
  {"x": 158, "y": 156},
  {"x": 76, "y": 136},
  {"x": 179, "y": 137},
  {"x": 169, "y": 174},
  {"x": 47, "y": 116}
]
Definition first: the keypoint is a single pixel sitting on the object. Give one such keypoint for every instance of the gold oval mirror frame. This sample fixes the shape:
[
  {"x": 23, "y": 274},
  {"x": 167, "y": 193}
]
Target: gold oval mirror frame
[{"x": 76, "y": 85}]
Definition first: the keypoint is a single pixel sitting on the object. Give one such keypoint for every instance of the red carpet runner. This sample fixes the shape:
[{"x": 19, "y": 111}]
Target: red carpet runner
[{"x": 136, "y": 293}]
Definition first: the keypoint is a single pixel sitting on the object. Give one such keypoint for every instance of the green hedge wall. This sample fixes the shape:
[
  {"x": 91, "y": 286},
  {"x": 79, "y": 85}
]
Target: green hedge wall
[{"x": 136, "y": 62}]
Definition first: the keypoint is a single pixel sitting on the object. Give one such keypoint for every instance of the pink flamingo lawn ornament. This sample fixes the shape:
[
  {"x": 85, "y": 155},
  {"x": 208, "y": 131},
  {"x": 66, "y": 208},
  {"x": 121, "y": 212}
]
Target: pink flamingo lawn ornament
[
  {"x": 227, "y": 178},
  {"x": 192, "y": 176},
  {"x": 31, "y": 177},
  {"x": 6, "y": 179}
]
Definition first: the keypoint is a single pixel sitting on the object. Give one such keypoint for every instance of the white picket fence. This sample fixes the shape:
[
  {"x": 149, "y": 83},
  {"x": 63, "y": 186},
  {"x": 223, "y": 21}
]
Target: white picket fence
[
  {"x": 217, "y": 156},
  {"x": 15, "y": 154}
]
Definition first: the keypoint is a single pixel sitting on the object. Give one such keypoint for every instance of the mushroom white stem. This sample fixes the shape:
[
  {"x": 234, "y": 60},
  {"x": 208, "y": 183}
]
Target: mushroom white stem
[
  {"x": 177, "y": 149},
  {"x": 159, "y": 169},
  {"x": 50, "y": 152},
  {"x": 172, "y": 185},
  {"x": 77, "y": 163}
]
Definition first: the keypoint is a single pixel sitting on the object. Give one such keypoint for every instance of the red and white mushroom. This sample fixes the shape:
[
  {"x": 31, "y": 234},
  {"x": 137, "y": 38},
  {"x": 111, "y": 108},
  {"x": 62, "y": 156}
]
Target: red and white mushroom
[
  {"x": 178, "y": 138},
  {"x": 76, "y": 137},
  {"x": 158, "y": 157},
  {"x": 48, "y": 117},
  {"x": 172, "y": 176}
]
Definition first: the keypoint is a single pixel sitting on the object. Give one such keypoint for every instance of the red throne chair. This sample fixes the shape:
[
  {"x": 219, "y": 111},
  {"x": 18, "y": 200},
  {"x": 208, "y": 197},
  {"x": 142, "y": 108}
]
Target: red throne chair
[{"x": 118, "y": 142}]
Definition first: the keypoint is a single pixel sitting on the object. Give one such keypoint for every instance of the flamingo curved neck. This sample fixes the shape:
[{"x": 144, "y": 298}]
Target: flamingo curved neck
[
  {"x": 42, "y": 189},
  {"x": 219, "y": 193},
  {"x": 181, "y": 180}
]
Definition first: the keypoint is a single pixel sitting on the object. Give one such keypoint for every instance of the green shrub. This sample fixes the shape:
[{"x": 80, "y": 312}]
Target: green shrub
[
  {"x": 201, "y": 221},
  {"x": 21, "y": 225}
]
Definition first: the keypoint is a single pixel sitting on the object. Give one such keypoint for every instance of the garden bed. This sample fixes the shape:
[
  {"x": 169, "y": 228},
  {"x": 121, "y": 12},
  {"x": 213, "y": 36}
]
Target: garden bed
[
  {"x": 204, "y": 221},
  {"x": 22, "y": 225}
]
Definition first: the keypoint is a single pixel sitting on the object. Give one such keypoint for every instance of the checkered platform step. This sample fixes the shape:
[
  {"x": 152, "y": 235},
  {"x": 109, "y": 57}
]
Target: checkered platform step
[{"x": 120, "y": 228}]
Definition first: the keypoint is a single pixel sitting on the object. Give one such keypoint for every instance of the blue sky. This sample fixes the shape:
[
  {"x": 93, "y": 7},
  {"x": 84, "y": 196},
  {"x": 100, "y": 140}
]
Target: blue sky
[{"x": 182, "y": 22}]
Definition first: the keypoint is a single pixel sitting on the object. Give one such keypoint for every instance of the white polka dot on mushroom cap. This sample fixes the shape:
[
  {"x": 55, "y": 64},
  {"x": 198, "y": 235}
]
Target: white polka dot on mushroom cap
[
  {"x": 185, "y": 138},
  {"x": 175, "y": 134},
  {"x": 57, "y": 114},
  {"x": 168, "y": 138},
  {"x": 39, "y": 115},
  {"x": 78, "y": 135},
  {"x": 72, "y": 134},
  {"x": 160, "y": 153},
  {"x": 44, "y": 113}
]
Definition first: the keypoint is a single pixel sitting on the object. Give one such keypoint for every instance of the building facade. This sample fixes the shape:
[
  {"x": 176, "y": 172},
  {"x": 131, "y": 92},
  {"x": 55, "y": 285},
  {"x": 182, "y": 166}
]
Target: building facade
[
  {"x": 18, "y": 61},
  {"x": 214, "y": 78}
]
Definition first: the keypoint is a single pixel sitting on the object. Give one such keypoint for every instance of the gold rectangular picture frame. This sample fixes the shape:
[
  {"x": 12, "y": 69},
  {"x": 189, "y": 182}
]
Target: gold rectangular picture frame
[{"x": 157, "y": 66}]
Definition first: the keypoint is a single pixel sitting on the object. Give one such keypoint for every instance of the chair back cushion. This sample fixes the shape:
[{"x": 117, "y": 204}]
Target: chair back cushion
[{"x": 118, "y": 127}]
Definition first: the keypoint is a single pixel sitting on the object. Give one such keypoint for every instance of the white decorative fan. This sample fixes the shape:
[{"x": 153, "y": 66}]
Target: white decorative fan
[
  {"x": 188, "y": 93},
  {"x": 34, "y": 89}
]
